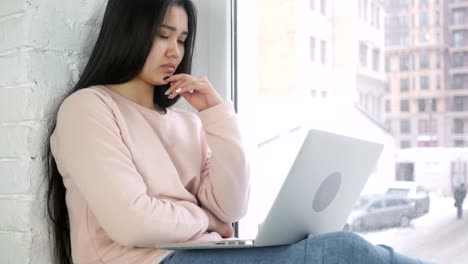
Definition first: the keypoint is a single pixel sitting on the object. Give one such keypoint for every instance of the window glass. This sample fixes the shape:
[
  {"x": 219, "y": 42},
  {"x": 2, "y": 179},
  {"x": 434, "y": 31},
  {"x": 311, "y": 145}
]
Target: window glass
[{"x": 327, "y": 65}]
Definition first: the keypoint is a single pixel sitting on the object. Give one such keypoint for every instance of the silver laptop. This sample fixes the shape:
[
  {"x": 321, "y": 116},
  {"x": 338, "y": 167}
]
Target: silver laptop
[{"x": 316, "y": 197}]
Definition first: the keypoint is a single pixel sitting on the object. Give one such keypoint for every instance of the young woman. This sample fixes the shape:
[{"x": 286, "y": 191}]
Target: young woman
[{"x": 126, "y": 171}]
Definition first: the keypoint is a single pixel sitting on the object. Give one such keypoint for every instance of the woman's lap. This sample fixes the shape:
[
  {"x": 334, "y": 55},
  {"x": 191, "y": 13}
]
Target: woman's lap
[{"x": 336, "y": 248}]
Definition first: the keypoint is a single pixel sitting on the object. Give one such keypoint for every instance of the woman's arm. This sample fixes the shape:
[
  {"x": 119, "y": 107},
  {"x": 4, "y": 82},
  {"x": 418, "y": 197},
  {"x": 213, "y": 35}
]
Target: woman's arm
[
  {"x": 88, "y": 148},
  {"x": 224, "y": 184}
]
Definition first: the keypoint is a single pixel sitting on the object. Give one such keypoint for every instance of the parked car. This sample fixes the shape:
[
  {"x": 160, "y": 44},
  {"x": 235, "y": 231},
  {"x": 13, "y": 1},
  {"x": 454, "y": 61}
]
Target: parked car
[
  {"x": 380, "y": 211},
  {"x": 414, "y": 192}
]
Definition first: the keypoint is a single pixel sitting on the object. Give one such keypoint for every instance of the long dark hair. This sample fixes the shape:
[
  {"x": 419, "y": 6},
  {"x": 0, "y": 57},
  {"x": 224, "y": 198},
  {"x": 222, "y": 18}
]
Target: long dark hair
[{"x": 125, "y": 39}]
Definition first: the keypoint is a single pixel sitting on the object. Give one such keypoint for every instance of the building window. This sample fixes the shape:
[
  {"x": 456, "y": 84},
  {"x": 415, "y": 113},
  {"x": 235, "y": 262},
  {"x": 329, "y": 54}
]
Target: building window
[
  {"x": 312, "y": 48},
  {"x": 458, "y": 81},
  {"x": 377, "y": 17},
  {"x": 423, "y": 19},
  {"x": 427, "y": 126},
  {"x": 437, "y": 61},
  {"x": 312, "y": 4},
  {"x": 424, "y": 60},
  {"x": 458, "y": 126},
  {"x": 403, "y": 3},
  {"x": 458, "y": 17},
  {"x": 404, "y": 41},
  {"x": 424, "y": 37},
  {"x": 363, "y": 54},
  {"x": 423, "y": 3},
  {"x": 458, "y": 59},
  {"x": 458, "y": 38},
  {"x": 323, "y": 7},
  {"x": 364, "y": 9},
  {"x": 422, "y": 105},
  {"x": 404, "y": 105},
  {"x": 438, "y": 82},
  {"x": 387, "y": 64},
  {"x": 459, "y": 103},
  {"x": 376, "y": 59},
  {"x": 404, "y": 85},
  {"x": 405, "y": 126},
  {"x": 323, "y": 48},
  {"x": 404, "y": 63},
  {"x": 403, "y": 21},
  {"x": 405, "y": 144},
  {"x": 424, "y": 82},
  {"x": 388, "y": 107},
  {"x": 459, "y": 143},
  {"x": 425, "y": 105}
]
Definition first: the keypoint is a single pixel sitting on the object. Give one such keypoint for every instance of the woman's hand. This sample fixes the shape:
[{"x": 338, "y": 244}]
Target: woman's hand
[
  {"x": 198, "y": 91},
  {"x": 225, "y": 230}
]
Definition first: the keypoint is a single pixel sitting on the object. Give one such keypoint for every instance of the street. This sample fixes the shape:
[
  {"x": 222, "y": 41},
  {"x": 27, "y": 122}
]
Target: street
[{"x": 437, "y": 237}]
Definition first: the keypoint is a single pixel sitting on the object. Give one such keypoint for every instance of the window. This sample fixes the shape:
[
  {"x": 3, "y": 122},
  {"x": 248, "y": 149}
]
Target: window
[
  {"x": 363, "y": 54},
  {"x": 427, "y": 105},
  {"x": 376, "y": 59},
  {"x": 404, "y": 85},
  {"x": 403, "y": 3},
  {"x": 459, "y": 143},
  {"x": 364, "y": 9},
  {"x": 323, "y": 48},
  {"x": 377, "y": 17},
  {"x": 424, "y": 38},
  {"x": 460, "y": 103},
  {"x": 458, "y": 39},
  {"x": 323, "y": 7},
  {"x": 409, "y": 65},
  {"x": 312, "y": 48},
  {"x": 404, "y": 63},
  {"x": 403, "y": 20},
  {"x": 458, "y": 81},
  {"x": 424, "y": 60},
  {"x": 458, "y": 16},
  {"x": 312, "y": 4},
  {"x": 422, "y": 105},
  {"x": 458, "y": 126},
  {"x": 427, "y": 126},
  {"x": 405, "y": 126},
  {"x": 423, "y": 19},
  {"x": 458, "y": 59},
  {"x": 424, "y": 82},
  {"x": 404, "y": 105},
  {"x": 405, "y": 144}
]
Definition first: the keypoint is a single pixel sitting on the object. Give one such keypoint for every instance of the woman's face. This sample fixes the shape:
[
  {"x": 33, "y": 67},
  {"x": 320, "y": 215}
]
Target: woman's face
[{"x": 168, "y": 49}]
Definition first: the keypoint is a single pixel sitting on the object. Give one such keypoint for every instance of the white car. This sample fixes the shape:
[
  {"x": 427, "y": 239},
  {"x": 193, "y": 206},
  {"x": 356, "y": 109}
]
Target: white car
[{"x": 414, "y": 192}]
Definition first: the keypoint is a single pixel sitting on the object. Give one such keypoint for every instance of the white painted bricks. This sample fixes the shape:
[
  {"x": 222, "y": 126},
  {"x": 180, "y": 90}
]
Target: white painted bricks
[{"x": 43, "y": 47}]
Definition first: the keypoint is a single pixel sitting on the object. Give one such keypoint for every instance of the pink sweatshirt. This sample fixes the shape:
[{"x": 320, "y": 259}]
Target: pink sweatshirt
[{"x": 136, "y": 177}]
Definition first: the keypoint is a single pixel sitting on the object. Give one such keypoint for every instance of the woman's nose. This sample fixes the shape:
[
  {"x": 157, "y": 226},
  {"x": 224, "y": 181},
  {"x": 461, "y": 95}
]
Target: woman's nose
[{"x": 173, "y": 49}]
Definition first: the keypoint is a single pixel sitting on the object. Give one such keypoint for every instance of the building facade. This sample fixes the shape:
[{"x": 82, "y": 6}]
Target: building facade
[{"x": 427, "y": 96}]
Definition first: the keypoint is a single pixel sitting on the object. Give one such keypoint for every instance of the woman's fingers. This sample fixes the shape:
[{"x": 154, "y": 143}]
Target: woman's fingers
[{"x": 184, "y": 85}]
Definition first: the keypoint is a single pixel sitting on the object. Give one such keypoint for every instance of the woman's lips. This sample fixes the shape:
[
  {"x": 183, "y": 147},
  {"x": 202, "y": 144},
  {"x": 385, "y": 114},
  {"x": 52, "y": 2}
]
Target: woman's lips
[{"x": 168, "y": 68}]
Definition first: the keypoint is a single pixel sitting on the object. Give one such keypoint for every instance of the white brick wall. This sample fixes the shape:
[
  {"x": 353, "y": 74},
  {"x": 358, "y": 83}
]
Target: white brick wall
[{"x": 43, "y": 46}]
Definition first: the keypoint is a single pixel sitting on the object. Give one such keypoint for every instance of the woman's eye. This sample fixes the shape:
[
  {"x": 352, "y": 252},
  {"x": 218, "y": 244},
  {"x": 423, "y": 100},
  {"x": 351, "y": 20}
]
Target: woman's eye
[
  {"x": 163, "y": 37},
  {"x": 181, "y": 42}
]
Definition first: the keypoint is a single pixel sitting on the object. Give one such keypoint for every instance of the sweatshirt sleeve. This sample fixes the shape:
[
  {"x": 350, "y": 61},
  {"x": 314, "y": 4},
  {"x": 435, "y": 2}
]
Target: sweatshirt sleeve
[
  {"x": 224, "y": 185},
  {"x": 89, "y": 149}
]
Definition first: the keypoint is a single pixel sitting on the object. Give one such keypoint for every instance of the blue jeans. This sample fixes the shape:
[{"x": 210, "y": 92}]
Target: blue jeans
[{"x": 331, "y": 248}]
